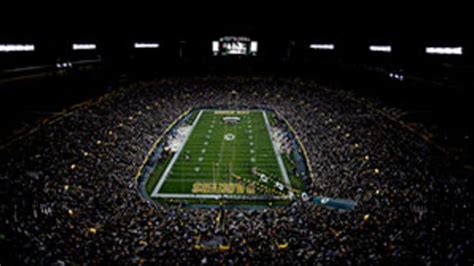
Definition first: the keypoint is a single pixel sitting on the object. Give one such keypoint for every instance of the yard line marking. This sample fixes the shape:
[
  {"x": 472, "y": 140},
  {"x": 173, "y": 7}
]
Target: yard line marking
[
  {"x": 175, "y": 157},
  {"x": 221, "y": 153}
]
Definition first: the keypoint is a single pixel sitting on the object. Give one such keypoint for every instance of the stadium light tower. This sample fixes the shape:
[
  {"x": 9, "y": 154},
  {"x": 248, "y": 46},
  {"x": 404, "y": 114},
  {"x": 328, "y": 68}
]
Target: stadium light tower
[{"x": 180, "y": 51}]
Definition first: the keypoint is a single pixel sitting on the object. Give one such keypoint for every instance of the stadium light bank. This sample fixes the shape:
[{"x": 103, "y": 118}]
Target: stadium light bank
[
  {"x": 380, "y": 48},
  {"x": 84, "y": 46},
  {"x": 444, "y": 50},
  {"x": 17, "y": 48},
  {"x": 326, "y": 46},
  {"x": 140, "y": 45}
]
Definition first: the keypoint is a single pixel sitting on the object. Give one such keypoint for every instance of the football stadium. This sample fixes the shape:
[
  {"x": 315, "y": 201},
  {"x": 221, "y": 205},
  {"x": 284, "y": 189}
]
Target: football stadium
[{"x": 226, "y": 144}]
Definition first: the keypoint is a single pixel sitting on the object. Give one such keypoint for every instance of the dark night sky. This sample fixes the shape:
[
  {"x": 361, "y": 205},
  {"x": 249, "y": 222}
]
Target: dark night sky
[{"x": 379, "y": 20}]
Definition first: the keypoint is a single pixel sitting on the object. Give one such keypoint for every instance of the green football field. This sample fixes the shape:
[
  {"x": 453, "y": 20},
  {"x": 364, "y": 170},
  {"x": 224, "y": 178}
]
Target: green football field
[{"x": 231, "y": 160}]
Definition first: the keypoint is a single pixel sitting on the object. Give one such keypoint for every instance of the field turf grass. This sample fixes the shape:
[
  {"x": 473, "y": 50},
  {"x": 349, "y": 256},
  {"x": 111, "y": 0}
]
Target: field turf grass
[{"x": 209, "y": 164}]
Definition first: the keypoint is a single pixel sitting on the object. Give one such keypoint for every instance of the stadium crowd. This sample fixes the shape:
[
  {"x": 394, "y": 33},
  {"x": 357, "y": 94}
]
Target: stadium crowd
[{"x": 72, "y": 197}]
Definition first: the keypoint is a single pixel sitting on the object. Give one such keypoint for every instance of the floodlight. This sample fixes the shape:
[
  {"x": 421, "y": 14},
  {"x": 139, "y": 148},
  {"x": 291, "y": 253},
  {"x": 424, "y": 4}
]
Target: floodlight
[
  {"x": 322, "y": 46},
  {"x": 380, "y": 48},
  {"x": 146, "y": 45},
  {"x": 83, "y": 46},
  {"x": 444, "y": 50},
  {"x": 17, "y": 48}
]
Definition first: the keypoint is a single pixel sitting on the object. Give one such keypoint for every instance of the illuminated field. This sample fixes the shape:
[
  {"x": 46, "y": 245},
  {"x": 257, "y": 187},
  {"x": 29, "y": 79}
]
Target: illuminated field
[{"x": 225, "y": 155}]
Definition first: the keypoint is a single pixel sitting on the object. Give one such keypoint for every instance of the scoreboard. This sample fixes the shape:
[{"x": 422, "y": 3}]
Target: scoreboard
[{"x": 234, "y": 45}]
